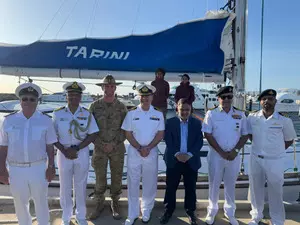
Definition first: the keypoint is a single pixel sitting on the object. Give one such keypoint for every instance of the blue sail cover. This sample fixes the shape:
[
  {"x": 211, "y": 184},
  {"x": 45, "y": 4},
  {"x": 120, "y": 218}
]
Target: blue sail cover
[{"x": 191, "y": 47}]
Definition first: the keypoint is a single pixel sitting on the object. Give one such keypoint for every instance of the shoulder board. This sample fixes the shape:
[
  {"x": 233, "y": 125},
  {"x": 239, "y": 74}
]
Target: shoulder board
[
  {"x": 85, "y": 108},
  {"x": 238, "y": 109},
  {"x": 157, "y": 109},
  {"x": 213, "y": 108},
  {"x": 133, "y": 108},
  {"x": 11, "y": 114},
  {"x": 284, "y": 114},
  {"x": 46, "y": 114},
  {"x": 254, "y": 111},
  {"x": 55, "y": 110}
]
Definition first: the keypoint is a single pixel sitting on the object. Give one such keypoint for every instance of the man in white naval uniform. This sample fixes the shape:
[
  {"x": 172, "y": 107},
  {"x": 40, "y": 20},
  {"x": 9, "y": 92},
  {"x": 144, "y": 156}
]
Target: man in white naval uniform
[
  {"x": 26, "y": 143},
  {"x": 271, "y": 134},
  {"x": 225, "y": 129},
  {"x": 76, "y": 129},
  {"x": 144, "y": 127}
]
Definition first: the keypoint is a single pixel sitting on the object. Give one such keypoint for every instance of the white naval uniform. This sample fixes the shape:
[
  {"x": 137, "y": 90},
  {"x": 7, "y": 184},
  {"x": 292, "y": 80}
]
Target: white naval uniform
[
  {"x": 26, "y": 140},
  {"x": 226, "y": 128},
  {"x": 77, "y": 168},
  {"x": 267, "y": 162},
  {"x": 144, "y": 126}
]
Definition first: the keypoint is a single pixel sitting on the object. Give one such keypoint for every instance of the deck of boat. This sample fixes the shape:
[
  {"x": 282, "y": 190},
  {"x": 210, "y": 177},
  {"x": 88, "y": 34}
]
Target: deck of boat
[{"x": 7, "y": 215}]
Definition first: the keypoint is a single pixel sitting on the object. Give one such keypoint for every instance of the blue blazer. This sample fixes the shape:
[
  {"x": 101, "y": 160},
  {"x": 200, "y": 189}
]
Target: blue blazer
[{"x": 173, "y": 140}]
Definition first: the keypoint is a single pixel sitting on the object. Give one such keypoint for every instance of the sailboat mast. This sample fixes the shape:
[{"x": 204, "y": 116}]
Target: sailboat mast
[{"x": 239, "y": 37}]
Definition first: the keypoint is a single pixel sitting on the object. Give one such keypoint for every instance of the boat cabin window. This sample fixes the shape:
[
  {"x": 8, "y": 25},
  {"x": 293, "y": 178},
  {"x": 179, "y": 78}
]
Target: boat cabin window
[{"x": 287, "y": 101}]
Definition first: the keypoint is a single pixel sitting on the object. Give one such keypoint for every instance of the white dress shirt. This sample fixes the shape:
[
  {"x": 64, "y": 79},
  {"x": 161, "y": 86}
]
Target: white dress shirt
[{"x": 27, "y": 138}]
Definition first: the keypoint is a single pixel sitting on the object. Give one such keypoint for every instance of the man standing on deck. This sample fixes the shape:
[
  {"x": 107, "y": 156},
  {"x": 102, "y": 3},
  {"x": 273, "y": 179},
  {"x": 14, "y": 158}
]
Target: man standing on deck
[
  {"x": 160, "y": 97},
  {"x": 271, "y": 134},
  {"x": 144, "y": 128},
  {"x": 225, "y": 129},
  {"x": 184, "y": 140},
  {"x": 109, "y": 113},
  {"x": 76, "y": 129},
  {"x": 26, "y": 142}
]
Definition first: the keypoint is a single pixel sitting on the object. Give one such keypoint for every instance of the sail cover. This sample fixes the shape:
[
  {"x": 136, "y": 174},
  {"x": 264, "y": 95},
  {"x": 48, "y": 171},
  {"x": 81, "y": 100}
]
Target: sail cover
[{"x": 192, "y": 47}]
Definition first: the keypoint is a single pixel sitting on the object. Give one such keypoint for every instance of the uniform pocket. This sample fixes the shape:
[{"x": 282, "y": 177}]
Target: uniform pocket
[{"x": 38, "y": 132}]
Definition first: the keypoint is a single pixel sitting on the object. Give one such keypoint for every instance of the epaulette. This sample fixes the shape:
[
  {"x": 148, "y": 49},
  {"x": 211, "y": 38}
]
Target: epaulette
[
  {"x": 238, "y": 109},
  {"x": 133, "y": 108},
  {"x": 55, "y": 110},
  {"x": 46, "y": 114},
  {"x": 157, "y": 109},
  {"x": 213, "y": 108},
  {"x": 85, "y": 108},
  {"x": 284, "y": 114},
  {"x": 11, "y": 114}
]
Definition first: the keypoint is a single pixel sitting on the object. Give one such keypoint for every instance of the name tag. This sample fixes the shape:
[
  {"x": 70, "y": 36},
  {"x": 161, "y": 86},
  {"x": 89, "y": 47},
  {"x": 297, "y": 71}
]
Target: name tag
[
  {"x": 63, "y": 119},
  {"x": 237, "y": 117},
  {"x": 154, "y": 118},
  {"x": 136, "y": 118},
  {"x": 275, "y": 127}
]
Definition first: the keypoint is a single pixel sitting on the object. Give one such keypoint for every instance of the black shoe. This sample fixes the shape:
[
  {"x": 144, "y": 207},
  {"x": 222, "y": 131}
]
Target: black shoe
[
  {"x": 192, "y": 218},
  {"x": 165, "y": 218}
]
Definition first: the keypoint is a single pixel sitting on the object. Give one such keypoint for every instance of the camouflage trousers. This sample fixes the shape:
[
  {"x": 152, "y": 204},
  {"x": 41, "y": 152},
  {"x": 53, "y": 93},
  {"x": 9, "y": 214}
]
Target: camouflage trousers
[{"x": 100, "y": 162}]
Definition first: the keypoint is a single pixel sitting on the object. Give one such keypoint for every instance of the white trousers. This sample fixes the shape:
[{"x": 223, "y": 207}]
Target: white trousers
[
  {"x": 220, "y": 170},
  {"x": 272, "y": 171},
  {"x": 73, "y": 170},
  {"x": 147, "y": 168},
  {"x": 30, "y": 183}
]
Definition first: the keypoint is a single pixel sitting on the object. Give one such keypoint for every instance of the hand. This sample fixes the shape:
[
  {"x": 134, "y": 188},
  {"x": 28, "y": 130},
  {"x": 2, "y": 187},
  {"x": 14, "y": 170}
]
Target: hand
[
  {"x": 70, "y": 153},
  {"x": 232, "y": 155},
  {"x": 145, "y": 151},
  {"x": 50, "y": 174},
  {"x": 224, "y": 155},
  {"x": 183, "y": 157},
  {"x": 4, "y": 176},
  {"x": 108, "y": 148}
]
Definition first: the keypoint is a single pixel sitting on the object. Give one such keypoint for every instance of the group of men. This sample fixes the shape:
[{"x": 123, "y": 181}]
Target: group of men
[{"x": 28, "y": 137}]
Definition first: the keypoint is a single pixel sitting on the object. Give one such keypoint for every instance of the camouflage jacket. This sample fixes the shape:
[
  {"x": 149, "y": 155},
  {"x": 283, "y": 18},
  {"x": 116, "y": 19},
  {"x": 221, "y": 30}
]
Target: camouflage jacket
[{"x": 109, "y": 117}]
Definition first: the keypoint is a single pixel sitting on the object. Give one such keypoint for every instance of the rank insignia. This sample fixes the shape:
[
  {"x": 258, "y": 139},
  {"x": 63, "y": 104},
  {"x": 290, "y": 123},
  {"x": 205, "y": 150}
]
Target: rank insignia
[{"x": 236, "y": 116}]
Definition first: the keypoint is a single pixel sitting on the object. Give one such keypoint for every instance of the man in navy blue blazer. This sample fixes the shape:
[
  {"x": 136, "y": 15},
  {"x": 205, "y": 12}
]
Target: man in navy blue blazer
[{"x": 184, "y": 140}]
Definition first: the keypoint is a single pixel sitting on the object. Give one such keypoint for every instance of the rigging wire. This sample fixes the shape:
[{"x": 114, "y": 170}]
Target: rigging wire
[
  {"x": 136, "y": 16},
  {"x": 66, "y": 19},
  {"x": 30, "y": 80},
  {"x": 92, "y": 18},
  {"x": 55, "y": 14}
]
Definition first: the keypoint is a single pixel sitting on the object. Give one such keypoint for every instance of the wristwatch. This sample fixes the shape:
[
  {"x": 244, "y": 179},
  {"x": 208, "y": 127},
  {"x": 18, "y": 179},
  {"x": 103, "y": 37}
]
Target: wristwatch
[{"x": 237, "y": 150}]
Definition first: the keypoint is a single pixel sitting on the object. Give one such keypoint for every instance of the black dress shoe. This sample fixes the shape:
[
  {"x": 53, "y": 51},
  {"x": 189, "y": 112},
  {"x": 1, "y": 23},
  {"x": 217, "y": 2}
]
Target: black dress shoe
[
  {"x": 165, "y": 218},
  {"x": 192, "y": 218}
]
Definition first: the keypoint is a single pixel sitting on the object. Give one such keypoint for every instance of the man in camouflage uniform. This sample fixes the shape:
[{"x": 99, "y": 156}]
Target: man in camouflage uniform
[{"x": 109, "y": 113}]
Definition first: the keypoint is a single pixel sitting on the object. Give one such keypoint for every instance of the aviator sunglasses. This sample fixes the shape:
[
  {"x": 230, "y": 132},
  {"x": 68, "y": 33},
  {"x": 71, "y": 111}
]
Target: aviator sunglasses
[
  {"x": 25, "y": 99},
  {"x": 227, "y": 96}
]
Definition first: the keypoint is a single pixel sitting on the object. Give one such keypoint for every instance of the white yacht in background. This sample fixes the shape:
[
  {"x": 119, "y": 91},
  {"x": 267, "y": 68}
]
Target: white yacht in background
[
  {"x": 61, "y": 97},
  {"x": 204, "y": 99}
]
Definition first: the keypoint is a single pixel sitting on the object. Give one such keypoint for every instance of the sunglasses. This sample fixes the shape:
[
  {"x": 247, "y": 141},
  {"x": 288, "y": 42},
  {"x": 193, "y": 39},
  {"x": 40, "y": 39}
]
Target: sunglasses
[
  {"x": 227, "y": 96},
  {"x": 25, "y": 99}
]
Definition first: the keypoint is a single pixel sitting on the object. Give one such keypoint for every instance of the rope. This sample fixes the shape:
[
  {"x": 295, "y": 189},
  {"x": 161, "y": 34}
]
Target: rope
[
  {"x": 261, "y": 45},
  {"x": 52, "y": 19},
  {"x": 136, "y": 16},
  {"x": 66, "y": 19},
  {"x": 77, "y": 127},
  {"x": 92, "y": 17}
]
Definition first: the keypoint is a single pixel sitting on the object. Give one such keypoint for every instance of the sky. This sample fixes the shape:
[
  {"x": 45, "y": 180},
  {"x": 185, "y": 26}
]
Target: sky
[{"x": 23, "y": 22}]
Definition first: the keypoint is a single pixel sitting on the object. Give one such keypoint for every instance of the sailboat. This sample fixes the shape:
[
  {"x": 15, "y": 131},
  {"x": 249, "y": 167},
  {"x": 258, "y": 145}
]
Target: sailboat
[{"x": 214, "y": 51}]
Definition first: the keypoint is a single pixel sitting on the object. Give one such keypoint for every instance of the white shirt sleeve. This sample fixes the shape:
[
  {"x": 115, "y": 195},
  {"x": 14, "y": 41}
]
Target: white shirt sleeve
[
  {"x": 244, "y": 128},
  {"x": 3, "y": 134},
  {"x": 127, "y": 123},
  {"x": 51, "y": 136},
  {"x": 249, "y": 124},
  {"x": 93, "y": 128},
  {"x": 289, "y": 132},
  {"x": 207, "y": 126},
  {"x": 54, "y": 119},
  {"x": 161, "y": 125}
]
